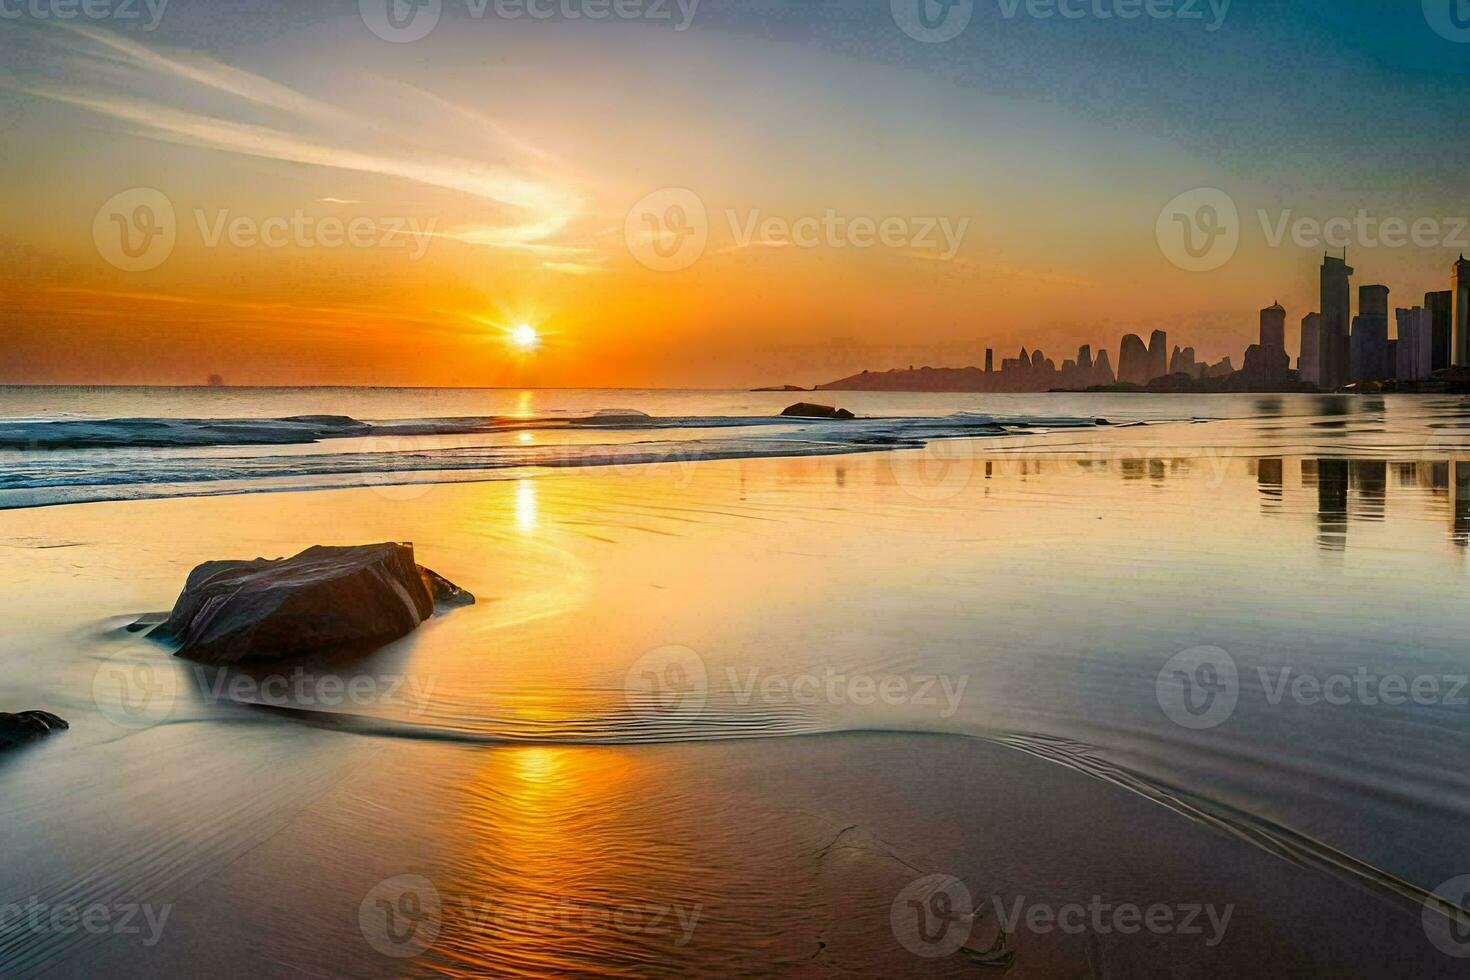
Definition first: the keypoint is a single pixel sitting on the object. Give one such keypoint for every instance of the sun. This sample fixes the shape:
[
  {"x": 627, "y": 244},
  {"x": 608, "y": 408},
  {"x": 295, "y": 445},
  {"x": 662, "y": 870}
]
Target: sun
[{"x": 524, "y": 336}]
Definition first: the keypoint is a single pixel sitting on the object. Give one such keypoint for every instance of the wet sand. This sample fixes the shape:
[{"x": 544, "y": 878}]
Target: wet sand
[{"x": 511, "y": 756}]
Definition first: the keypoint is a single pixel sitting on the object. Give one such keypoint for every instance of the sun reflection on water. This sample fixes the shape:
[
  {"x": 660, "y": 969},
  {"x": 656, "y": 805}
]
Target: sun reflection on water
[{"x": 526, "y": 506}]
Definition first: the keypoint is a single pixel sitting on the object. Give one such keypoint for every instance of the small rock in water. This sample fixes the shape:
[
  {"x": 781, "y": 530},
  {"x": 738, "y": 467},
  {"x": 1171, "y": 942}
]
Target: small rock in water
[
  {"x": 324, "y": 599},
  {"x": 27, "y": 726},
  {"x": 807, "y": 410}
]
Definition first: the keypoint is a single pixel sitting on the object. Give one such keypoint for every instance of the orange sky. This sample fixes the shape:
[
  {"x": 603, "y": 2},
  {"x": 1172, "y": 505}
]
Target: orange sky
[{"x": 1009, "y": 223}]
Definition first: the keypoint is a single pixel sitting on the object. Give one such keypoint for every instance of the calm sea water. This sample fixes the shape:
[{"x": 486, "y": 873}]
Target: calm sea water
[{"x": 1250, "y": 610}]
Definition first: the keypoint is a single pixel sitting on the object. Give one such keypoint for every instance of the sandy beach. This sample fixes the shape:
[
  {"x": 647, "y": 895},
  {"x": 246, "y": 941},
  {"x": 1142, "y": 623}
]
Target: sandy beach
[{"x": 718, "y": 719}]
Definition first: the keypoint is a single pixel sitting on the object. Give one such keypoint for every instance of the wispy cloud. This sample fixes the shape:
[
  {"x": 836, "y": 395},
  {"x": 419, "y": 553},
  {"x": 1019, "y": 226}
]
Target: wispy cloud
[
  {"x": 526, "y": 207},
  {"x": 573, "y": 268}
]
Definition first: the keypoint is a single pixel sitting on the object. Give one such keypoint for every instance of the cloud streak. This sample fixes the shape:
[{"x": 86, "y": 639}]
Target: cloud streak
[{"x": 319, "y": 134}]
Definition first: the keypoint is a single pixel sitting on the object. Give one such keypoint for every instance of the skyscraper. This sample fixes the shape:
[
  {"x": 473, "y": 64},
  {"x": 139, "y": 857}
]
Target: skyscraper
[
  {"x": 1337, "y": 300},
  {"x": 1369, "y": 348},
  {"x": 1273, "y": 327},
  {"x": 1308, "y": 366},
  {"x": 1182, "y": 361},
  {"x": 1414, "y": 354},
  {"x": 989, "y": 361},
  {"x": 1437, "y": 304},
  {"x": 1133, "y": 360},
  {"x": 1460, "y": 312},
  {"x": 1373, "y": 301},
  {"x": 1158, "y": 355}
]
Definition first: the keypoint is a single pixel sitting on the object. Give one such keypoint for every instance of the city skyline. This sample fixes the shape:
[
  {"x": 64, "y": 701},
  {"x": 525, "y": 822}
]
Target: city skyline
[{"x": 1356, "y": 345}]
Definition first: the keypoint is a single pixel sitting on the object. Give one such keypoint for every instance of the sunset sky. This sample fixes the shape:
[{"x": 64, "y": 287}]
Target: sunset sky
[{"x": 517, "y": 147}]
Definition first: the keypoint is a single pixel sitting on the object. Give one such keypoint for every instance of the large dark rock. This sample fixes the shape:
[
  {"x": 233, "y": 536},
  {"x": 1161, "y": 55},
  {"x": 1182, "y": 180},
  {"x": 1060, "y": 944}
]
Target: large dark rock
[
  {"x": 324, "y": 599},
  {"x": 27, "y": 727},
  {"x": 807, "y": 410}
]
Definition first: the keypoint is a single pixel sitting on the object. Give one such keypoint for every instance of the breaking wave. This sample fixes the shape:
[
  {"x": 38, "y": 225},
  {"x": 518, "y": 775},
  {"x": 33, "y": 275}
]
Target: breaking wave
[{"x": 57, "y": 461}]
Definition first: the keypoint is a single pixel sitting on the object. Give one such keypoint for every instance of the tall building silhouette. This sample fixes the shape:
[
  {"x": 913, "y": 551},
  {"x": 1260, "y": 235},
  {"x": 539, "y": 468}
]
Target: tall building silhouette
[
  {"x": 989, "y": 361},
  {"x": 1373, "y": 301},
  {"x": 1368, "y": 355},
  {"x": 1273, "y": 327},
  {"x": 1337, "y": 299},
  {"x": 1133, "y": 360},
  {"x": 1182, "y": 362},
  {"x": 1414, "y": 354},
  {"x": 1460, "y": 312},
  {"x": 1307, "y": 366},
  {"x": 1368, "y": 347},
  {"x": 1158, "y": 355},
  {"x": 1440, "y": 315}
]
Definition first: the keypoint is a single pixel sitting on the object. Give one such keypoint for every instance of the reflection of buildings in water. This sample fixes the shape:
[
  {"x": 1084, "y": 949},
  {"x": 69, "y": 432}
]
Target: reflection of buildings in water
[
  {"x": 1369, "y": 483},
  {"x": 1131, "y": 467},
  {"x": 1458, "y": 478},
  {"x": 1268, "y": 480},
  {"x": 1370, "y": 479},
  {"x": 1439, "y": 477},
  {"x": 1332, "y": 496},
  {"x": 1156, "y": 470}
]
